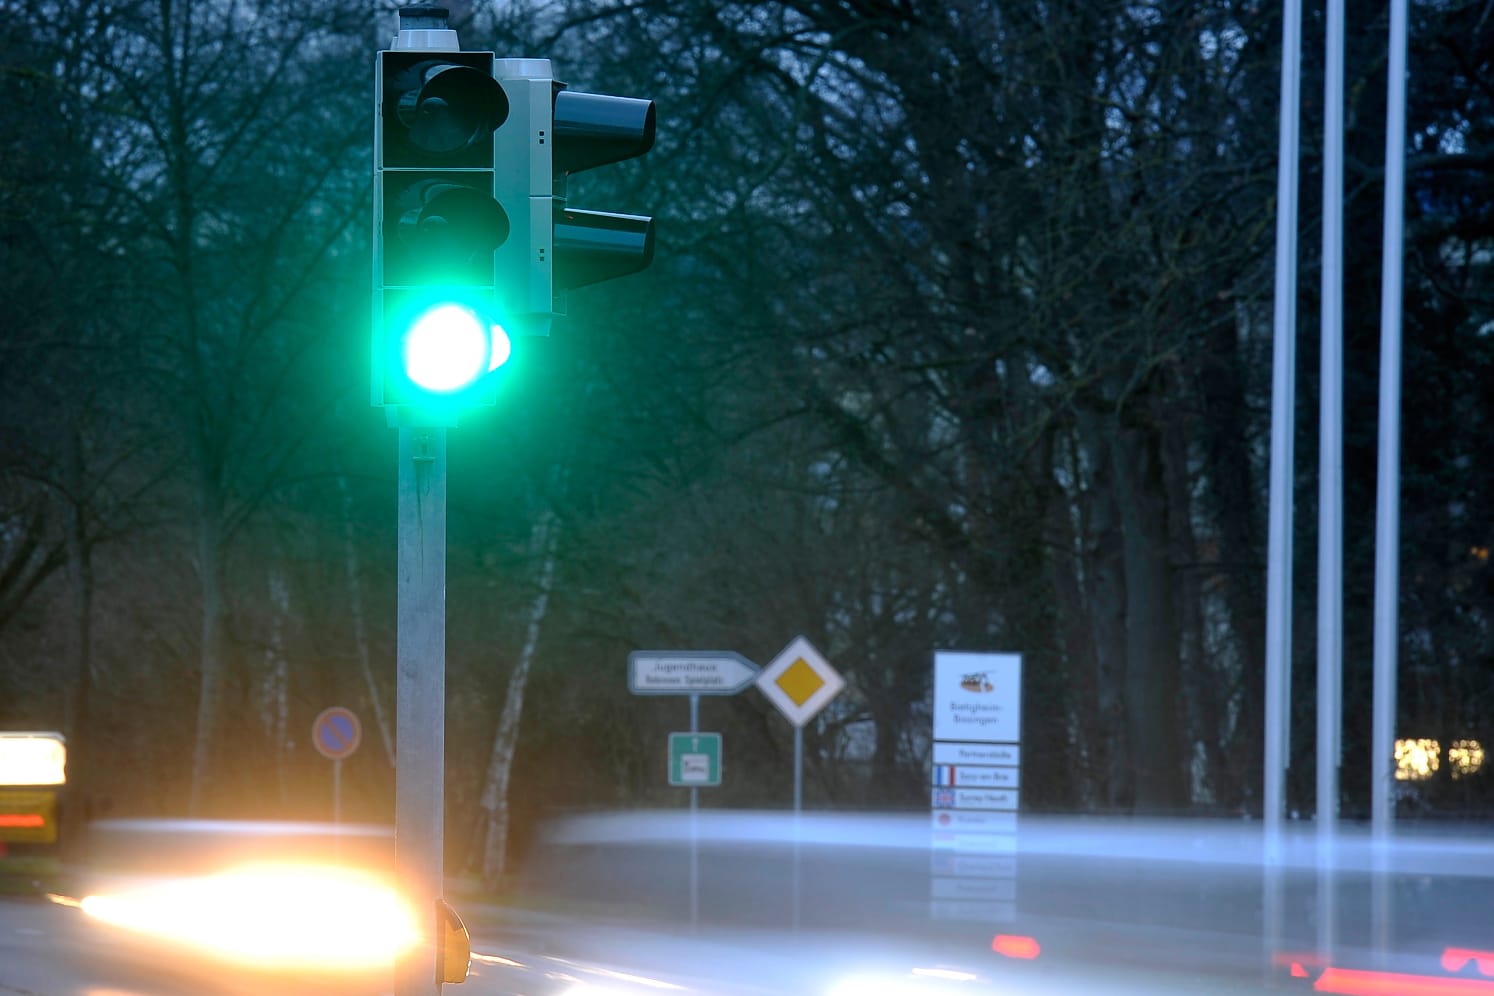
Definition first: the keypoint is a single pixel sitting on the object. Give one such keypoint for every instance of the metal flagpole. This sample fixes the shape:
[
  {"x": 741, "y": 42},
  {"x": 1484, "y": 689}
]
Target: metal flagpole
[
  {"x": 1388, "y": 478},
  {"x": 1330, "y": 478},
  {"x": 1387, "y": 517},
  {"x": 1283, "y": 402}
]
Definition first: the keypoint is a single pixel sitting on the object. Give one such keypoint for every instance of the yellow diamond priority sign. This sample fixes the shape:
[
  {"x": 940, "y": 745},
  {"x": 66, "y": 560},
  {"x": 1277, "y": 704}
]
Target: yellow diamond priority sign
[{"x": 800, "y": 682}]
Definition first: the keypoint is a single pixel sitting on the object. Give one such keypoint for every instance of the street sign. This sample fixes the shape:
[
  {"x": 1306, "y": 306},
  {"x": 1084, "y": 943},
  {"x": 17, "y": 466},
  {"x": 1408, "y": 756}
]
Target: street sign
[
  {"x": 947, "y": 752},
  {"x": 959, "y": 798},
  {"x": 695, "y": 759},
  {"x": 336, "y": 733},
  {"x": 1001, "y": 825},
  {"x": 689, "y": 672},
  {"x": 975, "y": 776},
  {"x": 800, "y": 682}
]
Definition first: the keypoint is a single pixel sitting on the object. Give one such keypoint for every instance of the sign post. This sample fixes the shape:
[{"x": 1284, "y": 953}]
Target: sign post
[
  {"x": 694, "y": 762},
  {"x": 694, "y": 757},
  {"x": 800, "y": 682},
  {"x": 336, "y": 733}
]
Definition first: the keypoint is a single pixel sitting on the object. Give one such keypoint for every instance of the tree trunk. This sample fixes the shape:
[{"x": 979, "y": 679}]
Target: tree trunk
[
  {"x": 210, "y": 578},
  {"x": 493, "y": 804},
  {"x": 360, "y": 627},
  {"x": 1152, "y": 671},
  {"x": 1092, "y": 744},
  {"x": 1105, "y": 590},
  {"x": 77, "y": 723},
  {"x": 274, "y": 704},
  {"x": 1238, "y": 518}
]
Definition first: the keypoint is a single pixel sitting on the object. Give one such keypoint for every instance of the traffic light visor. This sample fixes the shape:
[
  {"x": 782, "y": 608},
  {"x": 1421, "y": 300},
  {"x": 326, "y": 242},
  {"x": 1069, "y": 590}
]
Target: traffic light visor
[
  {"x": 592, "y": 246},
  {"x": 594, "y": 129}
]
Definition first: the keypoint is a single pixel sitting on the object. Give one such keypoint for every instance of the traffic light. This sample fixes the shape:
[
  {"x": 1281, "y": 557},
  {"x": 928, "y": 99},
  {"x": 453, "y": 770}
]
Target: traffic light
[
  {"x": 438, "y": 317},
  {"x": 551, "y": 133},
  {"x": 474, "y": 239}
]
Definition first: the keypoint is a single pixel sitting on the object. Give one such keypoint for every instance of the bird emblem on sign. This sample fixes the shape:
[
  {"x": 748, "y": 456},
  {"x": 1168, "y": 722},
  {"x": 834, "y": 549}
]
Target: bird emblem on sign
[{"x": 977, "y": 681}]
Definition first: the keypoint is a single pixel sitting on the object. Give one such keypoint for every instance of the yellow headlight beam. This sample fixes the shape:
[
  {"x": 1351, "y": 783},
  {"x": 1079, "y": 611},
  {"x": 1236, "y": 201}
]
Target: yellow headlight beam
[{"x": 273, "y": 916}]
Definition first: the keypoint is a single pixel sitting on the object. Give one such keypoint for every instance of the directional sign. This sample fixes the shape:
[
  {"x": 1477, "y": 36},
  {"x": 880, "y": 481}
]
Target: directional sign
[
  {"x": 975, "y": 775},
  {"x": 689, "y": 672},
  {"x": 695, "y": 759},
  {"x": 800, "y": 682},
  {"x": 957, "y": 798},
  {"x": 336, "y": 733}
]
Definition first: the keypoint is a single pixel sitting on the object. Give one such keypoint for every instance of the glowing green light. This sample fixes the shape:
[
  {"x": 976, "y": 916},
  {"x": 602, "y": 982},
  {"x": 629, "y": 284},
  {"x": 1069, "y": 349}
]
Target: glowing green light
[
  {"x": 500, "y": 346},
  {"x": 447, "y": 348}
]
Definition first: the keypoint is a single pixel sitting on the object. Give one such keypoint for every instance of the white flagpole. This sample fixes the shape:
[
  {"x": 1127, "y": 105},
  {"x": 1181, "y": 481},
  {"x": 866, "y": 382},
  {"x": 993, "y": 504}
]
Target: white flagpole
[
  {"x": 1283, "y": 404},
  {"x": 1331, "y": 431},
  {"x": 1279, "y": 552},
  {"x": 1388, "y": 478},
  {"x": 1331, "y": 482}
]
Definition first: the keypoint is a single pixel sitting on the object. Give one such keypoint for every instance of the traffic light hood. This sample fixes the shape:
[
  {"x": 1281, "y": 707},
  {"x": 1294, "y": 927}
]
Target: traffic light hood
[{"x": 594, "y": 129}]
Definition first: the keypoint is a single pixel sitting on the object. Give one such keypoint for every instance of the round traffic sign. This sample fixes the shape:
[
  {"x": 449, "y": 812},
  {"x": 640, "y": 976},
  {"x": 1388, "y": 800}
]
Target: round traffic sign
[{"x": 336, "y": 732}]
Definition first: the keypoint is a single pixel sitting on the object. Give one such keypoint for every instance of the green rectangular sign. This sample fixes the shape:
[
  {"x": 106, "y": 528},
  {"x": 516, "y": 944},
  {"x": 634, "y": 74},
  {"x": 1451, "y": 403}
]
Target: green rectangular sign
[{"x": 695, "y": 759}]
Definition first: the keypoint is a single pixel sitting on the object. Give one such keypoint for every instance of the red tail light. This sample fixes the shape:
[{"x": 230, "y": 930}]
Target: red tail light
[{"x": 1016, "y": 946}]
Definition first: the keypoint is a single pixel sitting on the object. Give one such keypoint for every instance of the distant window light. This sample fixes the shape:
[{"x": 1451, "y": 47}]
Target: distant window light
[
  {"x": 1465, "y": 757},
  {"x": 1417, "y": 760}
]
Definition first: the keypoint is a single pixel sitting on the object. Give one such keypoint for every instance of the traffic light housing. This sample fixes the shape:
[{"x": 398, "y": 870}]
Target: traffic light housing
[
  {"x": 475, "y": 241},
  {"x": 438, "y": 327},
  {"x": 553, "y": 132}
]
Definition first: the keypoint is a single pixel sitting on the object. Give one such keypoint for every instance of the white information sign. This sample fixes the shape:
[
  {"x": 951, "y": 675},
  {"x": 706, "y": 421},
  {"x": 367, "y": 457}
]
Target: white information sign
[
  {"x": 974, "y": 776},
  {"x": 978, "y": 697},
  {"x": 972, "y": 912},
  {"x": 991, "y": 821},
  {"x": 951, "y": 798},
  {"x": 961, "y": 753},
  {"x": 978, "y": 842},
  {"x": 974, "y": 780},
  {"x": 972, "y": 887},
  {"x": 972, "y": 865}
]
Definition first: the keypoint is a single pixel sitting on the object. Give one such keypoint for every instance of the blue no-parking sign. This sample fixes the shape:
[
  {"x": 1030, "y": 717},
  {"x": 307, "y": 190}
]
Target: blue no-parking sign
[{"x": 336, "y": 733}]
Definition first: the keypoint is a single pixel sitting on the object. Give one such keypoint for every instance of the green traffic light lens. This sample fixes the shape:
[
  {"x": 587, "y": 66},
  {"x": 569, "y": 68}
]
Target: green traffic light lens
[{"x": 449, "y": 346}]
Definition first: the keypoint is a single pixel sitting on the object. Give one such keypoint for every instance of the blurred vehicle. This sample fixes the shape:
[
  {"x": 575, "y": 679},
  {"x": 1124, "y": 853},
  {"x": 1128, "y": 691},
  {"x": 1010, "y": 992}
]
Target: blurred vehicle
[
  {"x": 731, "y": 903},
  {"x": 301, "y": 905},
  {"x": 1114, "y": 906},
  {"x": 33, "y": 773}
]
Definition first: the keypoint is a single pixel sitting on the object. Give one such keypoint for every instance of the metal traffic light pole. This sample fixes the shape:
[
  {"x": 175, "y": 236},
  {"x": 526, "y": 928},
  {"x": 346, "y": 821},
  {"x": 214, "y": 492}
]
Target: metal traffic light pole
[
  {"x": 420, "y": 616},
  {"x": 472, "y": 240},
  {"x": 420, "y": 690}
]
